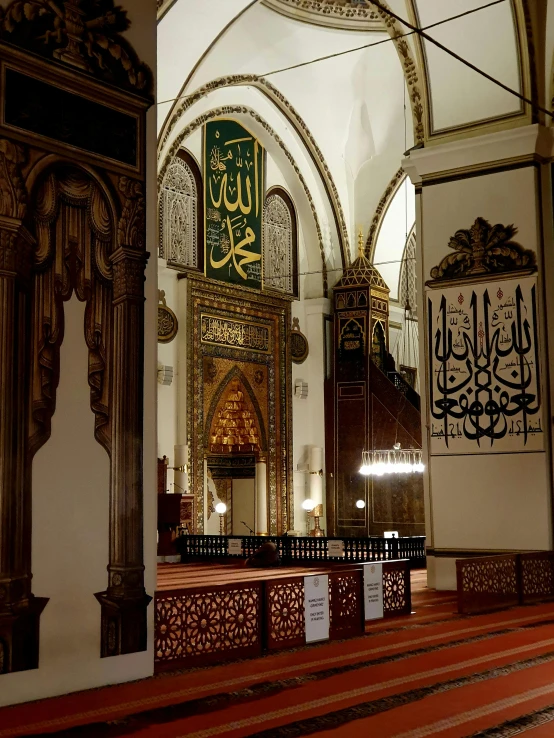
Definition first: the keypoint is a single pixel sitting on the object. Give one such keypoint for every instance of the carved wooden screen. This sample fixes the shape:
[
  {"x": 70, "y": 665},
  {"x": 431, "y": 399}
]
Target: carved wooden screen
[
  {"x": 181, "y": 213},
  {"x": 280, "y": 243}
]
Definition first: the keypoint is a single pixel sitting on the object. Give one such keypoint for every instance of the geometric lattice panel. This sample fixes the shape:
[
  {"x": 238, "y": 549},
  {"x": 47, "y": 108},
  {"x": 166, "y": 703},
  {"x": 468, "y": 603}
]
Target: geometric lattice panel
[
  {"x": 396, "y": 590},
  {"x": 487, "y": 583},
  {"x": 220, "y": 623},
  {"x": 285, "y": 613},
  {"x": 345, "y": 606},
  {"x": 537, "y": 576}
]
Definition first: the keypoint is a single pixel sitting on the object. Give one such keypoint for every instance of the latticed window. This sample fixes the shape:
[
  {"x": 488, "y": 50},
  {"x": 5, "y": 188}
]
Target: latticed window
[
  {"x": 179, "y": 215},
  {"x": 407, "y": 292},
  {"x": 279, "y": 243}
]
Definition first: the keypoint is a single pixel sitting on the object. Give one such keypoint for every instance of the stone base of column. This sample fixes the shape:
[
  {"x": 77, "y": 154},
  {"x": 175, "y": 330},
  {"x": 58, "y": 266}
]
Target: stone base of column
[
  {"x": 124, "y": 625},
  {"x": 19, "y": 635}
]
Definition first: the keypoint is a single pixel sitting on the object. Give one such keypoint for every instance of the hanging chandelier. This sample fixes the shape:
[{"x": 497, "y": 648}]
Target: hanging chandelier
[{"x": 397, "y": 460}]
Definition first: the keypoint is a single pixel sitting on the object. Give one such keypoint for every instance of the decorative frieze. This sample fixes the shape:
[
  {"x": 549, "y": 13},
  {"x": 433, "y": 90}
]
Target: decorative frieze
[{"x": 237, "y": 333}]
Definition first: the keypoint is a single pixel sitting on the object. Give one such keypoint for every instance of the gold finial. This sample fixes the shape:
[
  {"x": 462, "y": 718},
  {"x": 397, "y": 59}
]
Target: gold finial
[{"x": 361, "y": 245}]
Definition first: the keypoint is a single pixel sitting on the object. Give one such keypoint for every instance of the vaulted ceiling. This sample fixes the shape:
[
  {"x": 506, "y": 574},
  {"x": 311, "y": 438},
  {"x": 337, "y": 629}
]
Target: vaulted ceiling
[{"x": 346, "y": 121}]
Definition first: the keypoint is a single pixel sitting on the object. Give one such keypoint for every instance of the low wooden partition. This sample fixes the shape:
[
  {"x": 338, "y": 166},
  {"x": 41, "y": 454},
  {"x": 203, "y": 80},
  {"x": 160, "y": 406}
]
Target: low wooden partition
[
  {"x": 200, "y": 625},
  {"x": 304, "y": 549},
  {"x": 536, "y": 576},
  {"x": 496, "y": 582}
]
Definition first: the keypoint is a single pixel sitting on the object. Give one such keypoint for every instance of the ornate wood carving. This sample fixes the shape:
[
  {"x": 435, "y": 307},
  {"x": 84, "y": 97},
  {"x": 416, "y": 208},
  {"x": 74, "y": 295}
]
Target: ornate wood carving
[
  {"x": 74, "y": 233},
  {"x": 484, "y": 250},
  {"x": 285, "y": 613},
  {"x": 19, "y": 609},
  {"x": 62, "y": 230},
  {"x": 487, "y": 583},
  {"x": 208, "y": 626},
  {"x": 80, "y": 33},
  {"x": 124, "y": 627}
]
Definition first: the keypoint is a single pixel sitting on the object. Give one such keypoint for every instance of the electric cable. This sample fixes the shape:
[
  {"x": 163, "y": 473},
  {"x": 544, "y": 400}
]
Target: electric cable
[{"x": 413, "y": 31}]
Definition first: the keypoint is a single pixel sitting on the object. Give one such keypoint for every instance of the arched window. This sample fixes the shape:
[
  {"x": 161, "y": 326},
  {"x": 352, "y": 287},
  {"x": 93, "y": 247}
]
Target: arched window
[
  {"x": 280, "y": 243},
  {"x": 407, "y": 294},
  {"x": 181, "y": 216}
]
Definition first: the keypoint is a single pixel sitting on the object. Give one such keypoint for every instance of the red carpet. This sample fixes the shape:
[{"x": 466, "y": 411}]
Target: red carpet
[{"x": 432, "y": 674}]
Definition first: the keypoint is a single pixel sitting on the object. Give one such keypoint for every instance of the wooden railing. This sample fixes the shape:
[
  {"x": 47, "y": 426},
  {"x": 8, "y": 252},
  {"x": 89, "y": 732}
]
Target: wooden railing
[
  {"x": 207, "y": 624},
  {"x": 495, "y": 582},
  {"x": 304, "y": 550}
]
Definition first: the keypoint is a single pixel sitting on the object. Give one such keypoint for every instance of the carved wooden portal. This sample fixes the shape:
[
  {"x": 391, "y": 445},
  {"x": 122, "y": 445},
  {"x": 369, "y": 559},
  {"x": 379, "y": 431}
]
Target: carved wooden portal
[{"x": 72, "y": 219}]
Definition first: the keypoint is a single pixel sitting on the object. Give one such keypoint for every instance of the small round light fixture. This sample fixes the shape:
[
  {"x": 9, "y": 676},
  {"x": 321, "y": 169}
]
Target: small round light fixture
[
  {"x": 221, "y": 508},
  {"x": 360, "y": 504},
  {"x": 308, "y": 505}
]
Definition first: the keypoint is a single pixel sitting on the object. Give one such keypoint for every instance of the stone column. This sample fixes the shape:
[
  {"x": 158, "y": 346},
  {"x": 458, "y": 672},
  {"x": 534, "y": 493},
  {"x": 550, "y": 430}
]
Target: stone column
[
  {"x": 124, "y": 628},
  {"x": 261, "y": 498},
  {"x": 484, "y": 262},
  {"x": 19, "y": 609}
]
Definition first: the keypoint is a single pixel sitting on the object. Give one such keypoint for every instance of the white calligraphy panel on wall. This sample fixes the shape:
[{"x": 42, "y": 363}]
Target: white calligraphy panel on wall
[{"x": 485, "y": 391}]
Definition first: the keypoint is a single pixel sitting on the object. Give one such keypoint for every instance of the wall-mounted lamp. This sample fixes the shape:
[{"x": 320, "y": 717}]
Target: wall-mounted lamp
[
  {"x": 184, "y": 470},
  {"x": 360, "y": 504},
  {"x": 221, "y": 509}
]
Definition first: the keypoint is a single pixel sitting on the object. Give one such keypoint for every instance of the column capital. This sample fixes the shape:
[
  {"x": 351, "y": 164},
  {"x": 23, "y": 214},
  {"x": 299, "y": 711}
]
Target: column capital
[
  {"x": 16, "y": 247},
  {"x": 526, "y": 143},
  {"x": 128, "y": 273}
]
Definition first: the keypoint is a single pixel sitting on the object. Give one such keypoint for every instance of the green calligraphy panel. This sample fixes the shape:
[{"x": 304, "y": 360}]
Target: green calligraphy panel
[{"x": 233, "y": 189}]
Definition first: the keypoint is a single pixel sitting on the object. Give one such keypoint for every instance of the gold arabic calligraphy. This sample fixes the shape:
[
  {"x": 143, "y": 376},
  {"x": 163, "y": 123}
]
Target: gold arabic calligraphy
[{"x": 233, "y": 190}]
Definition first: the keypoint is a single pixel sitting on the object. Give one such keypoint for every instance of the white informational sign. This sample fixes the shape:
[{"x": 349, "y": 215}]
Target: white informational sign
[
  {"x": 373, "y": 591},
  {"x": 316, "y": 608},
  {"x": 335, "y": 548},
  {"x": 391, "y": 534},
  {"x": 485, "y": 384},
  {"x": 234, "y": 546}
]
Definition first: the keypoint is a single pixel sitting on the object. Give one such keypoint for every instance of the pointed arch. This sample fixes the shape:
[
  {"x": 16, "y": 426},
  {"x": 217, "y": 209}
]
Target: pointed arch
[
  {"x": 181, "y": 213},
  {"x": 235, "y": 374},
  {"x": 280, "y": 242}
]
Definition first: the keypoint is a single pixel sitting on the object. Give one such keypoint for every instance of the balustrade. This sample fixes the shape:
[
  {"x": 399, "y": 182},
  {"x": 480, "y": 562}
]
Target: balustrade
[{"x": 305, "y": 550}]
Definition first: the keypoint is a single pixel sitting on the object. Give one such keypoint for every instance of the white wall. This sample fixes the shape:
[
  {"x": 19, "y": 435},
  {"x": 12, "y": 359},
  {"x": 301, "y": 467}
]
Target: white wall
[
  {"x": 243, "y": 496},
  {"x": 168, "y": 355},
  {"x": 308, "y": 414}
]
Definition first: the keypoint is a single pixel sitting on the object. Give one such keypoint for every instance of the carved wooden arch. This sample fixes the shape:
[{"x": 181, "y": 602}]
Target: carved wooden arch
[
  {"x": 188, "y": 158},
  {"x": 89, "y": 237},
  {"x": 289, "y": 204},
  {"x": 235, "y": 373},
  {"x": 65, "y": 228}
]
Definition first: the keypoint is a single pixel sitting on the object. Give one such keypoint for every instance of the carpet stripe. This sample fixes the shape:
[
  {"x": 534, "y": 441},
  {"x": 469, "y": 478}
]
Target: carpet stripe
[
  {"x": 146, "y": 702},
  {"x": 536, "y": 724},
  {"x": 359, "y": 712},
  {"x": 337, "y": 697},
  {"x": 485, "y": 711}
]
